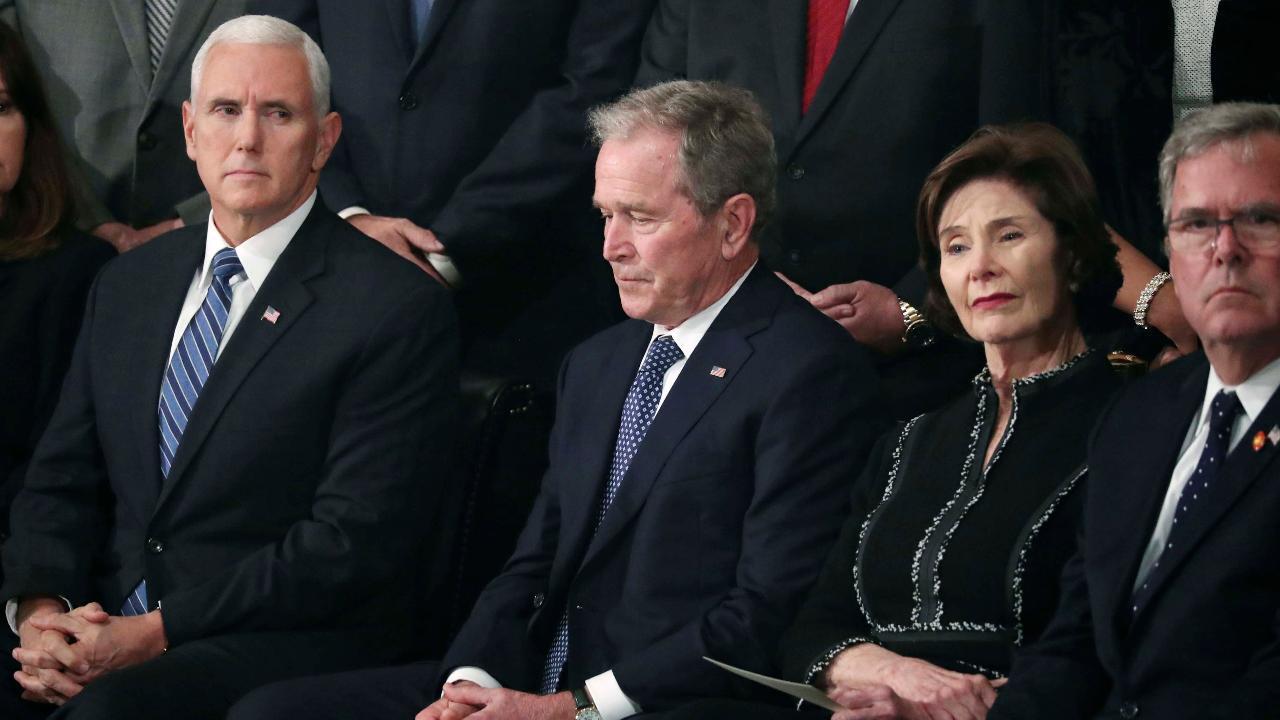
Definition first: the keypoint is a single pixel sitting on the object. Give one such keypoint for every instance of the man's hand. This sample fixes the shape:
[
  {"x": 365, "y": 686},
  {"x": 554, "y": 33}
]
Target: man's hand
[
  {"x": 105, "y": 642},
  {"x": 408, "y": 240},
  {"x": 125, "y": 238},
  {"x": 869, "y": 312},
  {"x": 467, "y": 699},
  {"x": 914, "y": 685},
  {"x": 50, "y": 667},
  {"x": 444, "y": 709}
]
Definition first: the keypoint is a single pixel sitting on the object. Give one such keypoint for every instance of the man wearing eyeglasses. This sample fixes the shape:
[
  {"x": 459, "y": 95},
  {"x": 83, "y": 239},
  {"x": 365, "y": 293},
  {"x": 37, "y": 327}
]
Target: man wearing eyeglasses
[{"x": 1171, "y": 609}]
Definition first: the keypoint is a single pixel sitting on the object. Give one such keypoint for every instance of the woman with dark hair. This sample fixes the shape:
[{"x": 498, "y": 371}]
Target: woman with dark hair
[
  {"x": 45, "y": 266},
  {"x": 964, "y": 516}
]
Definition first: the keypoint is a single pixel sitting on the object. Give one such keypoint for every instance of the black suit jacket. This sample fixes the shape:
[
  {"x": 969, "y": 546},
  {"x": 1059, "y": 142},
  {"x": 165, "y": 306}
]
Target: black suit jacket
[
  {"x": 1112, "y": 90},
  {"x": 721, "y": 522},
  {"x": 41, "y": 303},
  {"x": 910, "y": 80},
  {"x": 299, "y": 486},
  {"x": 478, "y": 132},
  {"x": 1205, "y": 645}
]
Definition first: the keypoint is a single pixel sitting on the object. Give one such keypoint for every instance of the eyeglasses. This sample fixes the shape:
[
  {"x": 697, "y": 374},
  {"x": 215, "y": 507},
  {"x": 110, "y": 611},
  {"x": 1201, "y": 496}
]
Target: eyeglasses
[{"x": 1256, "y": 229}]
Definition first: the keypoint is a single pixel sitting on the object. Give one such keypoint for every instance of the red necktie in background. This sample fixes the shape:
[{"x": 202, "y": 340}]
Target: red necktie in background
[{"x": 826, "y": 22}]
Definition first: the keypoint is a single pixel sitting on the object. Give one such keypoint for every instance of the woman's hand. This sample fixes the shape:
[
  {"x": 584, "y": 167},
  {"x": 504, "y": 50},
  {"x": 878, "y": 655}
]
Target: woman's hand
[{"x": 916, "y": 685}]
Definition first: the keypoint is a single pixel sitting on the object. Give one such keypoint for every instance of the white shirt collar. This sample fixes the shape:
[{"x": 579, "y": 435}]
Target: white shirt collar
[
  {"x": 1254, "y": 393},
  {"x": 259, "y": 253},
  {"x": 689, "y": 333}
]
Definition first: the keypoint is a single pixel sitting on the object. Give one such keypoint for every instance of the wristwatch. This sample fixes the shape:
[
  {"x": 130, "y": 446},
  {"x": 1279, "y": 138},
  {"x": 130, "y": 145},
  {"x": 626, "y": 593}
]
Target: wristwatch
[
  {"x": 917, "y": 332},
  {"x": 586, "y": 708}
]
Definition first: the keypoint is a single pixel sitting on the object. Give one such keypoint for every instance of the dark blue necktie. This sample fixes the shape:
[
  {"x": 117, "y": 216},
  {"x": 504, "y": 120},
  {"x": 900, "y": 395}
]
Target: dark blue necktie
[
  {"x": 1222, "y": 414},
  {"x": 188, "y": 370},
  {"x": 637, "y": 412}
]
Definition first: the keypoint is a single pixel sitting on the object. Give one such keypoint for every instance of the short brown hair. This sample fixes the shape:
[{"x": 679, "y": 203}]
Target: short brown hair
[
  {"x": 1042, "y": 162},
  {"x": 40, "y": 200}
]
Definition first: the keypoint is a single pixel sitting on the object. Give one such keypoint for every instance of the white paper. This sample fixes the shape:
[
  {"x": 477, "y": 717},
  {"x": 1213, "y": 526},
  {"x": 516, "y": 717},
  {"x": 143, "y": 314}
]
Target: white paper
[{"x": 807, "y": 693}]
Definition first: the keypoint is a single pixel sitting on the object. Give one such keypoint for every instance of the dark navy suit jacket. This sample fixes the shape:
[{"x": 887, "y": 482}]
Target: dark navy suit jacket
[
  {"x": 1207, "y": 643},
  {"x": 299, "y": 485},
  {"x": 721, "y": 523}
]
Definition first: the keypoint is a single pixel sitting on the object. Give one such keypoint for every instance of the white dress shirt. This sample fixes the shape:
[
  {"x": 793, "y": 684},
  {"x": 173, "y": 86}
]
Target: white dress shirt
[
  {"x": 609, "y": 699},
  {"x": 258, "y": 255},
  {"x": 1253, "y": 394}
]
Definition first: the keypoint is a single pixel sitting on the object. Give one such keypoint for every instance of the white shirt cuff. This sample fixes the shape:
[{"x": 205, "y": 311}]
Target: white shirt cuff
[
  {"x": 353, "y": 210},
  {"x": 444, "y": 265},
  {"x": 611, "y": 702},
  {"x": 11, "y": 612},
  {"x": 475, "y": 675}
]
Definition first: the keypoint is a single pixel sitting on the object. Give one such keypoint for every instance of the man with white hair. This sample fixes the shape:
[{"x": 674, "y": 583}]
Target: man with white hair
[{"x": 231, "y": 487}]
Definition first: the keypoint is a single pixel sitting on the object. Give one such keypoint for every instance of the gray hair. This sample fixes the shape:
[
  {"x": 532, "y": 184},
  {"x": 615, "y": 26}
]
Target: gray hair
[
  {"x": 726, "y": 146},
  {"x": 267, "y": 30},
  {"x": 1234, "y": 123}
]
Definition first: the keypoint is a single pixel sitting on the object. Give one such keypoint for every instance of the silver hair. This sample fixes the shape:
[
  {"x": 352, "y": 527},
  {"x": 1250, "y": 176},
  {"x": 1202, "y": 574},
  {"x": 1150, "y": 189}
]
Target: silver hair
[
  {"x": 267, "y": 30},
  {"x": 726, "y": 146},
  {"x": 1235, "y": 123}
]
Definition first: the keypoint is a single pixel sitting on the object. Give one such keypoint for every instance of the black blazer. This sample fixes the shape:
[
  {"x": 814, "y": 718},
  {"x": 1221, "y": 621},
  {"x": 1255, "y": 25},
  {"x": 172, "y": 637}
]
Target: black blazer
[
  {"x": 479, "y": 133},
  {"x": 1112, "y": 90},
  {"x": 298, "y": 489},
  {"x": 720, "y": 524},
  {"x": 41, "y": 303},
  {"x": 1205, "y": 645},
  {"x": 910, "y": 80}
]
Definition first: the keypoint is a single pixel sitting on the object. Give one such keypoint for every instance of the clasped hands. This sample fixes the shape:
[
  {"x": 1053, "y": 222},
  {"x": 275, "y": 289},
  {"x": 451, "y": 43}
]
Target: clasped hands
[
  {"x": 872, "y": 683},
  {"x": 466, "y": 699},
  {"x": 61, "y": 651}
]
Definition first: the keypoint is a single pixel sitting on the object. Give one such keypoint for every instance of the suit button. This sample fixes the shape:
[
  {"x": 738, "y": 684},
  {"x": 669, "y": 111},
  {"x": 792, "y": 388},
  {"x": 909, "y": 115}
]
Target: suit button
[
  {"x": 538, "y": 600},
  {"x": 147, "y": 141},
  {"x": 795, "y": 172},
  {"x": 1129, "y": 710},
  {"x": 154, "y": 546},
  {"x": 408, "y": 101},
  {"x": 794, "y": 256}
]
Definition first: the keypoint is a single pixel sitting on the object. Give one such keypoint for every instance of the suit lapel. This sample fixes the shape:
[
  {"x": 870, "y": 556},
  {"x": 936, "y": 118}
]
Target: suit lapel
[
  {"x": 865, "y": 24},
  {"x": 1242, "y": 467},
  {"x": 725, "y": 345},
  {"x": 1144, "y": 488},
  {"x": 615, "y": 373},
  {"x": 788, "y": 21},
  {"x": 401, "y": 27},
  {"x": 131, "y": 19},
  {"x": 285, "y": 290},
  {"x": 151, "y": 327},
  {"x": 188, "y": 21},
  {"x": 440, "y": 11}
]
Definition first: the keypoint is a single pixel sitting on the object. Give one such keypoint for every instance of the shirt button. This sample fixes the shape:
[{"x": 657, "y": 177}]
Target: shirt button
[
  {"x": 408, "y": 101},
  {"x": 795, "y": 171},
  {"x": 154, "y": 546}
]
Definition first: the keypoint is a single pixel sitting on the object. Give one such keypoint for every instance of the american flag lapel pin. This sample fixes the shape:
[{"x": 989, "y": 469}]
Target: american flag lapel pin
[
  {"x": 271, "y": 315},
  {"x": 717, "y": 371}
]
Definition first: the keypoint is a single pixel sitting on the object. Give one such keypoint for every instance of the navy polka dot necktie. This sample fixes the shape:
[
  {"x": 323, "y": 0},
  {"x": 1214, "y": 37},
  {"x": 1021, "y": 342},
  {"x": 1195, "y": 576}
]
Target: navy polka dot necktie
[
  {"x": 1222, "y": 415},
  {"x": 637, "y": 412}
]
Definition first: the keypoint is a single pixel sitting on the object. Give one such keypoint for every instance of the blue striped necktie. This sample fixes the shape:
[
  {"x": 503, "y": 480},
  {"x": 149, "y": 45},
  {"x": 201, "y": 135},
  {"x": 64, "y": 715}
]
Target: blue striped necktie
[
  {"x": 189, "y": 368},
  {"x": 638, "y": 410}
]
